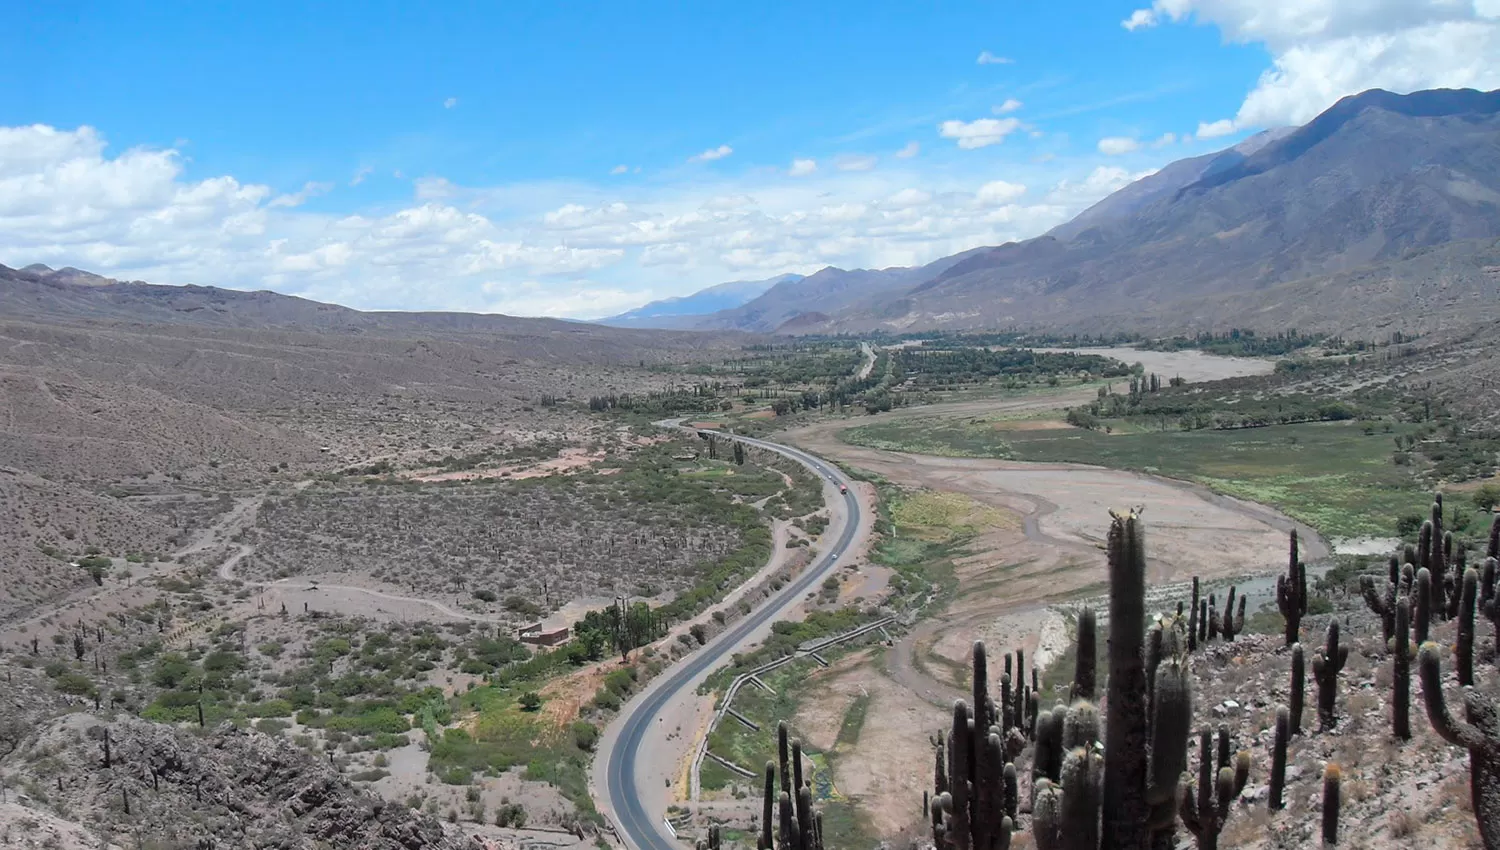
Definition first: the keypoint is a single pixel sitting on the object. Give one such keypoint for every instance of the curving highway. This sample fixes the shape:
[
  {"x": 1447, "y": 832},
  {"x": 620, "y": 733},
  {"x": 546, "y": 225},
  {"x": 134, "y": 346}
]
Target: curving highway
[{"x": 643, "y": 829}]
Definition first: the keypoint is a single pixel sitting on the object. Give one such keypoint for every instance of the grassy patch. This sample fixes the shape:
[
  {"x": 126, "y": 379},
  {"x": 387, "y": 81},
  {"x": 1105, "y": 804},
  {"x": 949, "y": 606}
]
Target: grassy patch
[
  {"x": 1332, "y": 475},
  {"x": 854, "y": 721}
]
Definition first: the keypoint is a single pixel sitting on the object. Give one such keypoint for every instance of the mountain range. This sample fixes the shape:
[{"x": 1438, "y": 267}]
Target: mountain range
[
  {"x": 1382, "y": 202},
  {"x": 683, "y": 310}
]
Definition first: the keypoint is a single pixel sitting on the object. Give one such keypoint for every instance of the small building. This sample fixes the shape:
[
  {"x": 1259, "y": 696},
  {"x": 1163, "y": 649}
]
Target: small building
[{"x": 536, "y": 635}]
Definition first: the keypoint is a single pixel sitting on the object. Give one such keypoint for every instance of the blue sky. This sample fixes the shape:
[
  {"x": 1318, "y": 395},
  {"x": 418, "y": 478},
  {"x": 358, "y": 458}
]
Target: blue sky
[{"x": 577, "y": 159}]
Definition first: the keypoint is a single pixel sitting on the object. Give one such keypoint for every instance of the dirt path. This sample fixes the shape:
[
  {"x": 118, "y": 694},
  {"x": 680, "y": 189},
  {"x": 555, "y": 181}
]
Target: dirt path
[{"x": 869, "y": 365}]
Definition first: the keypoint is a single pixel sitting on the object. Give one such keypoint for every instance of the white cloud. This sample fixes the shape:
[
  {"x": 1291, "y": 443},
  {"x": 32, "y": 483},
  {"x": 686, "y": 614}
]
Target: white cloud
[
  {"x": 360, "y": 174},
  {"x": 1117, "y": 145},
  {"x": 908, "y": 198},
  {"x": 298, "y": 198},
  {"x": 855, "y": 162},
  {"x": 1010, "y": 105},
  {"x": 1140, "y": 18},
  {"x": 1215, "y": 129},
  {"x": 450, "y": 103},
  {"x": 712, "y": 154},
  {"x": 619, "y": 169},
  {"x": 988, "y": 58},
  {"x": 978, "y": 134},
  {"x": 1322, "y": 50},
  {"x": 1165, "y": 140},
  {"x": 555, "y": 248},
  {"x": 911, "y": 150},
  {"x": 802, "y": 167},
  {"x": 999, "y": 192},
  {"x": 434, "y": 188}
]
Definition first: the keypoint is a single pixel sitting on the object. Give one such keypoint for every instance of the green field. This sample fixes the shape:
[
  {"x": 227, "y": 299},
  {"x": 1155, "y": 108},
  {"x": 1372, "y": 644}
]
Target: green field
[{"x": 1330, "y": 475}]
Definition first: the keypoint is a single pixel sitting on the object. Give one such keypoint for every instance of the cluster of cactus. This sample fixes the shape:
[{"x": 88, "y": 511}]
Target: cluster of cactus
[
  {"x": 1015, "y": 716},
  {"x": 1205, "y": 809},
  {"x": 799, "y": 825},
  {"x": 1479, "y": 734},
  {"x": 1082, "y": 790},
  {"x": 1205, "y": 623},
  {"x": 976, "y": 792}
]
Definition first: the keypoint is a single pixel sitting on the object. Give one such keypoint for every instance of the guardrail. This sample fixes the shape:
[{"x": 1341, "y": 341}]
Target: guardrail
[{"x": 803, "y": 651}]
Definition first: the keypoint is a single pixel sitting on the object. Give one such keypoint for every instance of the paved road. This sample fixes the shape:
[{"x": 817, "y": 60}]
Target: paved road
[{"x": 645, "y": 830}]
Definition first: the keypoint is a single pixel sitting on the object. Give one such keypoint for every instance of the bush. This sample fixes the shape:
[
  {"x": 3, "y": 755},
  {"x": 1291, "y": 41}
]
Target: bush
[
  {"x": 1487, "y": 496},
  {"x": 510, "y": 815},
  {"x": 485, "y": 595},
  {"x": 530, "y": 701},
  {"x": 585, "y": 735}
]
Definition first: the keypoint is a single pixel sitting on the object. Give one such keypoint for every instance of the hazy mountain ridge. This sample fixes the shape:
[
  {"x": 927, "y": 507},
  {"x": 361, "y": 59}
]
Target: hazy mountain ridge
[{"x": 685, "y": 310}]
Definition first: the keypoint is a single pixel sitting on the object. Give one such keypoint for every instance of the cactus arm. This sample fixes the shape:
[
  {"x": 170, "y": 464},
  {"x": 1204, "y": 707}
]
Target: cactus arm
[{"x": 1454, "y": 731}]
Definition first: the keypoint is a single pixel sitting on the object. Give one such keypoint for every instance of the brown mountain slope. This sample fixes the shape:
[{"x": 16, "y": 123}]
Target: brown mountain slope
[{"x": 1374, "y": 181}]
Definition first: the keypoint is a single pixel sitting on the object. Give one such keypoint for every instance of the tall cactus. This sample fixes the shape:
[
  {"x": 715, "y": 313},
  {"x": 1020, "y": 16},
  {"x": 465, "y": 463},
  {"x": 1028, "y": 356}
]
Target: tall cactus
[
  {"x": 1234, "y": 619},
  {"x": 1291, "y": 593},
  {"x": 1480, "y": 736},
  {"x": 1193, "y": 619},
  {"x": 1489, "y": 600},
  {"x": 1171, "y": 726},
  {"x": 1084, "y": 669},
  {"x": 1401, "y": 678},
  {"x": 1332, "y": 800},
  {"x": 1327, "y": 665},
  {"x": 1468, "y": 598},
  {"x": 1437, "y": 560},
  {"x": 1299, "y": 686},
  {"x": 1275, "y": 800},
  {"x": 1205, "y": 813},
  {"x": 1124, "y": 795},
  {"x": 1493, "y": 550},
  {"x": 1423, "y": 624}
]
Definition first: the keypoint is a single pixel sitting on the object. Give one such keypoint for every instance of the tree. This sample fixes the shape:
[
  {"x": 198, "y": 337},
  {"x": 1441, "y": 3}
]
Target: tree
[
  {"x": 1487, "y": 496},
  {"x": 530, "y": 701},
  {"x": 739, "y": 453}
]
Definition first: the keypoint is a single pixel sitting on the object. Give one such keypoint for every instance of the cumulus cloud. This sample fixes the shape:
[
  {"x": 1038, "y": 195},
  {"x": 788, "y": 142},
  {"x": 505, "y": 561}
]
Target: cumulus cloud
[
  {"x": 802, "y": 167},
  {"x": 1215, "y": 129},
  {"x": 1010, "y": 105},
  {"x": 450, "y": 103},
  {"x": 911, "y": 150},
  {"x": 999, "y": 192},
  {"x": 545, "y": 248},
  {"x": 978, "y": 134},
  {"x": 712, "y": 154},
  {"x": 1165, "y": 140},
  {"x": 988, "y": 58},
  {"x": 619, "y": 169},
  {"x": 1117, "y": 145},
  {"x": 1139, "y": 19},
  {"x": 855, "y": 162},
  {"x": 1322, "y": 50},
  {"x": 299, "y": 197}
]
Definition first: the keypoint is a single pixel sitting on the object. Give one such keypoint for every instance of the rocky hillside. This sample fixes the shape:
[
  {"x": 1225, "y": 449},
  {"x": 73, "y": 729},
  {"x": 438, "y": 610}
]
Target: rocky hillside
[{"x": 138, "y": 784}]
